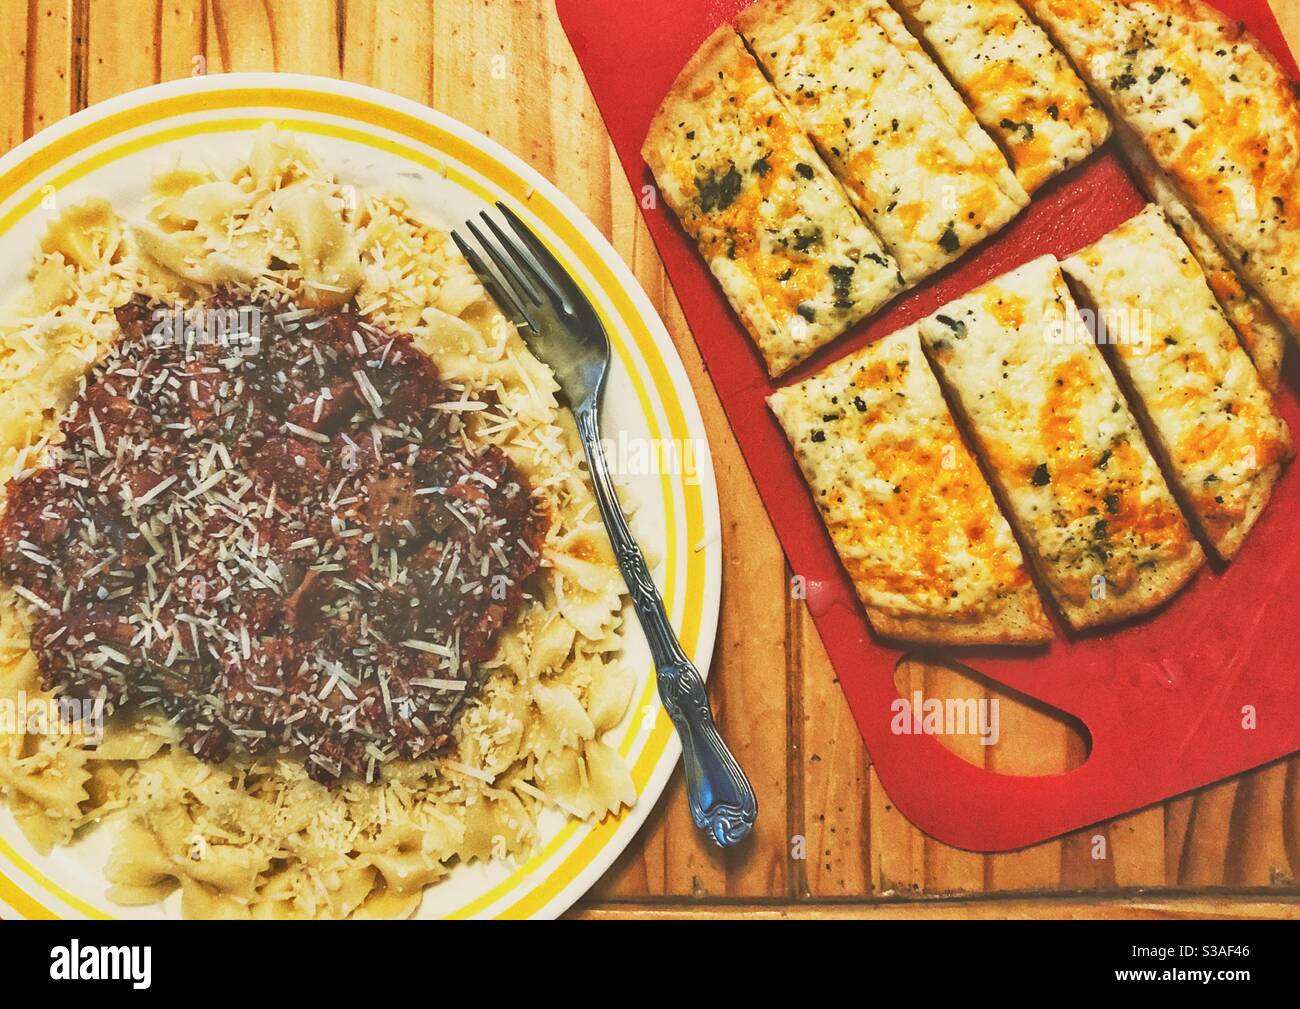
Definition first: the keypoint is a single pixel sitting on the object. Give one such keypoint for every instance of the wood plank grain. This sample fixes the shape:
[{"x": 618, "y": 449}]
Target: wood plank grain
[
  {"x": 1170, "y": 908},
  {"x": 1258, "y": 856},
  {"x": 1287, "y": 13},
  {"x": 897, "y": 854},
  {"x": 833, "y": 772},
  {"x": 947, "y": 869},
  {"x": 1205, "y": 850},
  {"x": 301, "y": 37},
  {"x": 111, "y": 67},
  {"x": 389, "y": 44},
  {"x": 1178, "y": 819},
  {"x": 1138, "y": 848},
  {"x": 485, "y": 70},
  {"x": 13, "y": 71},
  {"x": 182, "y": 39},
  {"x": 1291, "y": 816},
  {"x": 41, "y": 65}
]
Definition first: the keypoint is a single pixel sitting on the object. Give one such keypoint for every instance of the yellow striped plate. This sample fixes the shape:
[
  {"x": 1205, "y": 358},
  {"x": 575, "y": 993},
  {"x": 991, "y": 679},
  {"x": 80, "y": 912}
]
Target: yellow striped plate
[{"x": 371, "y": 138}]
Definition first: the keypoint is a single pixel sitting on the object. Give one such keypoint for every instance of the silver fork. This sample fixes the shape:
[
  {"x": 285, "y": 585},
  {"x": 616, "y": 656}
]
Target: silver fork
[{"x": 562, "y": 329}]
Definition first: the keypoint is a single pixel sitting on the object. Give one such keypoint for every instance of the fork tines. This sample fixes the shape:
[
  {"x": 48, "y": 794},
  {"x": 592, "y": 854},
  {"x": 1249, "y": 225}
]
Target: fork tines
[{"x": 523, "y": 273}]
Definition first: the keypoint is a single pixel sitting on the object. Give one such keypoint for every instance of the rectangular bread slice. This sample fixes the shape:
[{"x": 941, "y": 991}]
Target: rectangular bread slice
[
  {"x": 775, "y": 227},
  {"x": 1216, "y": 113},
  {"x": 1213, "y": 418},
  {"x": 909, "y": 512},
  {"x": 928, "y": 180},
  {"x": 1257, "y": 327},
  {"x": 1021, "y": 89},
  {"x": 1062, "y": 446}
]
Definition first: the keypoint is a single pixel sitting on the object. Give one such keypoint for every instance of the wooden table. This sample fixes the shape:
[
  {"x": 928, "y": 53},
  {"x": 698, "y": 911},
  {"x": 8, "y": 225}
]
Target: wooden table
[{"x": 829, "y": 842}]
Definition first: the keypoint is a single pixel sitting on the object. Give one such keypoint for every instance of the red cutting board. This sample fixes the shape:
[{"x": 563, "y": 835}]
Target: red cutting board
[{"x": 1166, "y": 700}]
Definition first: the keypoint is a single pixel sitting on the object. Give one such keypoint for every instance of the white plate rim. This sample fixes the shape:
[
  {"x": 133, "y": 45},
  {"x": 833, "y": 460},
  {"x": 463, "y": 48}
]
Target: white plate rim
[{"x": 632, "y": 820}]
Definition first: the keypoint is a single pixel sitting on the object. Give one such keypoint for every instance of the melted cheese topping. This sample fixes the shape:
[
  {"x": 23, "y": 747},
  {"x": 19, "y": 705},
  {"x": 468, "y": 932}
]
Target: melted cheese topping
[
  {"x": 1020, "y": 88},
  {"x": 927, "y": 179},
  {"x": 1059, "y": 439},
  {"x": 908, "y": 510},
  {"x": 777, "y": 230},
  {"x": 1207, "y": 406},
  {"x": 1214, "y": 111},
  {"x": 1257, "y": 327}
]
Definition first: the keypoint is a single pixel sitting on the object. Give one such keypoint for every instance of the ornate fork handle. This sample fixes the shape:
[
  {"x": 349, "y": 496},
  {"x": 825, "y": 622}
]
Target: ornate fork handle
[{"x": 721, "y": 799}]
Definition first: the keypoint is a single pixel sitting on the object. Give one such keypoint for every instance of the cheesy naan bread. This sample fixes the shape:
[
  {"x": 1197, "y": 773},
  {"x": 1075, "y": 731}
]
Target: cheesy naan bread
[
  {"x": 776, "y": 228},
  {"x": 1209, "y": 411},
  {"x": 1256, "y": 325},
  {"x": 1020, "y": 88},
  {"x": 925, "y": 176},
  {"x": 1050, "y": 421},
  {"x": 909, "y": 512},
  {"x": 1216, "y": 113}
]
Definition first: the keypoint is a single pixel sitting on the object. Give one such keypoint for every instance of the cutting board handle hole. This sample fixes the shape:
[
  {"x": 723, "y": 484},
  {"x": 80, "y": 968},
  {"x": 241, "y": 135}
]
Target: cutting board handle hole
[{"x": 984, "y": 722}]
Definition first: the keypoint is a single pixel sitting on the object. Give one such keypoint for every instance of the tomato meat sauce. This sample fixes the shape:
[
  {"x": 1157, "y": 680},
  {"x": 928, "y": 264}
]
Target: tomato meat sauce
[{"x": 286, "y": 541}]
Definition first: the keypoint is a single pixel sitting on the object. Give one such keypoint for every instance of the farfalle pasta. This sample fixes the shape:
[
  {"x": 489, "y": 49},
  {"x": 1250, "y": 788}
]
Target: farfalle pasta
[{"x": 254, "y": 835}]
